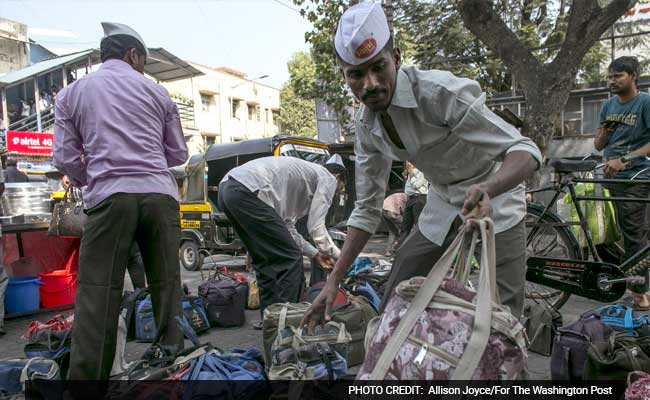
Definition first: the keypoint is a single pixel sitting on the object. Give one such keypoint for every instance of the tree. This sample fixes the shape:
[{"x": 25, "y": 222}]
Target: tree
[
  {"x": 297, "y": 106},
  {"x": 546, "y": 85}
]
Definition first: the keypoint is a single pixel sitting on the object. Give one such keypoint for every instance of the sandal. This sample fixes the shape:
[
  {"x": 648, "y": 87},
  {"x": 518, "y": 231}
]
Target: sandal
[{"x": 257, "y": 325}]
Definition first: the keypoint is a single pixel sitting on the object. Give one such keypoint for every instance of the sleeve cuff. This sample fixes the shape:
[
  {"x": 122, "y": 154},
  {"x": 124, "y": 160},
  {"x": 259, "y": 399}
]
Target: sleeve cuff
[{"x": 532, "y": 150}]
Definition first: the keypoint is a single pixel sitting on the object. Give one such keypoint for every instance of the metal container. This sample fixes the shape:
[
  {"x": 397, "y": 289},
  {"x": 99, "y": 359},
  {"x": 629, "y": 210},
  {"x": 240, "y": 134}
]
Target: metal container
[{"x": 26, "y": 198}]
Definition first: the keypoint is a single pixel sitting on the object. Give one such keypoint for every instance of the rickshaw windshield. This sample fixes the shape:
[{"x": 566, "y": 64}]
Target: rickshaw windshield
[
  {"x": 307, "y": 153},
  {"x": 194, "y": 187}
]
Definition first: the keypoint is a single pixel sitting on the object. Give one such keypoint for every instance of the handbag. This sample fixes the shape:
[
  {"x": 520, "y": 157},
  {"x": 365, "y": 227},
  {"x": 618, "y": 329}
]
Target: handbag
[
  {"x": 541, "y": 323},
  {"x": 68, "y": 217}
]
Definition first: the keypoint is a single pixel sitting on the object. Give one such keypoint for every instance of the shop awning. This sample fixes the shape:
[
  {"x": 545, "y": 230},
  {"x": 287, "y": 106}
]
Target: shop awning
[
  {"x": 164, "y": 66},
  {"x": 43, "y": 67}
]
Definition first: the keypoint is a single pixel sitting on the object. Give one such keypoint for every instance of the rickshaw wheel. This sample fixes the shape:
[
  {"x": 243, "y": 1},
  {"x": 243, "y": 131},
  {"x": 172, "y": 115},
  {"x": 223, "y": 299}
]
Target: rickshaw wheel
[{"x": 190, "y": 257}]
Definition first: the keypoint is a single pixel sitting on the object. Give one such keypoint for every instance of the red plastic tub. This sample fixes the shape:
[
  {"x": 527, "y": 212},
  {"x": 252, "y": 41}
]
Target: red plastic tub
[{"x": 59, "y": 288}]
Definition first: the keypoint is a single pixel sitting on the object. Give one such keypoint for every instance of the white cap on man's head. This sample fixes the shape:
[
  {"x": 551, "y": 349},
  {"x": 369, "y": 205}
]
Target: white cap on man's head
[
  {"x": 362, "y": 33},
  {"x": 114, "y": 28},
  {"x": 336, "y": 159}
]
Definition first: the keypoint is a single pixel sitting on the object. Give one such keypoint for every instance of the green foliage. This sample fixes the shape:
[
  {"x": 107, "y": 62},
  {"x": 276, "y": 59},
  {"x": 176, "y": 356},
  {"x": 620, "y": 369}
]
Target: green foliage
[
  {"x": 329, "y": 85},
  {"x": 297, "y": 105}
]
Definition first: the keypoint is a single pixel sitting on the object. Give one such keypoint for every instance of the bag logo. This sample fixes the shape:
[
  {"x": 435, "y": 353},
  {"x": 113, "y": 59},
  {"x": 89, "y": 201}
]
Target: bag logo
[{"x": 366, "y": 48}]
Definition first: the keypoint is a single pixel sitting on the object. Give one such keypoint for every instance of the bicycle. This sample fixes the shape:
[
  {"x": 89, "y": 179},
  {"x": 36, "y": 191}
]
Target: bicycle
[{"x": 557, "y": 265}]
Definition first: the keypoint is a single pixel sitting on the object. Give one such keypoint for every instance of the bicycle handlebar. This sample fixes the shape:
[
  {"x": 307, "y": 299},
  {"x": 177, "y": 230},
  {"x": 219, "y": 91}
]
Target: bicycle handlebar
[{"x": 633, "y": 157}]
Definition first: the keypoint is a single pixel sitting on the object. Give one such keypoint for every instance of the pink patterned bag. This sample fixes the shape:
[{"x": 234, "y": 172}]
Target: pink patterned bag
[
  {"x": 438, "y": 328},
  {"x": 638, "y": 386}
]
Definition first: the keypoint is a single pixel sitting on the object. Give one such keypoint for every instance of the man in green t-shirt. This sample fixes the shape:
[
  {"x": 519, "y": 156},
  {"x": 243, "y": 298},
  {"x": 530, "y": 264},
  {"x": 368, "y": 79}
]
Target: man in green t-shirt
[{"x": 625, "y": 130}]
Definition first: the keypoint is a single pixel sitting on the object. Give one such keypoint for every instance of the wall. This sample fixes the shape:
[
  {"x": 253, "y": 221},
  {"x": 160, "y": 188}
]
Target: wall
[
  {"x": 216, "y": 94},
  {"x": 14, "y": 46}
]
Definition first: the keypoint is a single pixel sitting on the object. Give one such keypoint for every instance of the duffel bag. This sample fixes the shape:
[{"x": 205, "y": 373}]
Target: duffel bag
[
  {"x": 240, "y": 373},
  {"x": 58, "y": 326},
  {"x": 615, "y": 358},
  {"x": 277, "y": 317},
  {"x": 54, "y": 348},
  {"x": 194, "y": 313},
  {"x": 359, "y": 287},
  {"x": 332, "y": 333},
  {"x": 571, "y": 344},
  {"x": 145, "y": 323},
  {"x": 16, "y": 372},
  {"x": 314, "y": 290},
  {"x": 313, "y": 361},
  {"x": 225, "y": 302},
  {"x": 449, "y": 331},
  {"x": 621, "y": 317},
  {"x": 355, "y": 314}
]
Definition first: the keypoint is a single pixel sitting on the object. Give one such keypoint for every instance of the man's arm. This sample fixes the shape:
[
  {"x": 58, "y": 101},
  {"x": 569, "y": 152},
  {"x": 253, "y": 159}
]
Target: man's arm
[
  {"x": 615, "y": 165},
  {"x": 602, "y": 137},
  {"x": 173, "y": 139},
  {"x": 306, "y": 247},
  {"x": 68, "y": 148},
  {"x": 320, "y": 205}
]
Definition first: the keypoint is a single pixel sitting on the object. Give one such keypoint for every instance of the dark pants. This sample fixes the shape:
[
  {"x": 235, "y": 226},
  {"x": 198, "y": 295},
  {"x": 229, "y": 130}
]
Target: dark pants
[
  {"x": 277, "y": 259},
  {"x": 135, "y": 267},
  {"x": 414, "y": 205},
  {"x": 417, "y": 255},
  {"x": 152, "y": 221},
  {"x": 631, "y": 216}
]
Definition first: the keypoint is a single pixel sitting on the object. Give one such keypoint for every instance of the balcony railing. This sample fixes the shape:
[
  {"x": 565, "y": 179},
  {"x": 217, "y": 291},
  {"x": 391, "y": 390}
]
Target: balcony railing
[
  {"x": 186, "y": 112},
  {"x": 31, "y": 122}
]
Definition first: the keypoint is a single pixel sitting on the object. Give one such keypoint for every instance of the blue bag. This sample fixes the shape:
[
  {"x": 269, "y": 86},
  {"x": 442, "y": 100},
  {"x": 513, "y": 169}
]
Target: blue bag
[
  {"x": 621, "y": 317},
  {"x": 240, "y": 373},
  {"x": 145, "y": 324},
  {"x": 360, "y": 264},
  {"x": 15, "y": 372},
  {"x": 56, "y": 349},
  {"x": 194, "y": 314}
]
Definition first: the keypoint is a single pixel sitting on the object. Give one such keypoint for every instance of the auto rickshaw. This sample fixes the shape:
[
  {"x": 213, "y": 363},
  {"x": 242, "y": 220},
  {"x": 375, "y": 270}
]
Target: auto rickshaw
[{"x": 204, "y": 229}]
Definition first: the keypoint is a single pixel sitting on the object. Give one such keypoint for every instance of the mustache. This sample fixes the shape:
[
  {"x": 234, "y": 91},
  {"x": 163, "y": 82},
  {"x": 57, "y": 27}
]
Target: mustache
[{"x": 372, "y": 92}]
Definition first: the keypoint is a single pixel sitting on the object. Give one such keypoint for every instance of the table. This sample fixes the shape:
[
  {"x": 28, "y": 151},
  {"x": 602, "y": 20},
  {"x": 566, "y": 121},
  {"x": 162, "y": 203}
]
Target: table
[{"x": 19, "y": 229}]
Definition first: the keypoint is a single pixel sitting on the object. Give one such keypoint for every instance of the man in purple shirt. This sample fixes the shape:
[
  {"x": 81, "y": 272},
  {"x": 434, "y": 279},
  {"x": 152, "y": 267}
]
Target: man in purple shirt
[{"x": 117, "y": 133}]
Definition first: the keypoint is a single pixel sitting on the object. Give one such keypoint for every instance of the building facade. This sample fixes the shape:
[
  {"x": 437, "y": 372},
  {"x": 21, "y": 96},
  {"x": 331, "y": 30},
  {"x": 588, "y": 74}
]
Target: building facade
[
  {"x": 227, "y": 107},
  {"x": 14, "y": 46}
]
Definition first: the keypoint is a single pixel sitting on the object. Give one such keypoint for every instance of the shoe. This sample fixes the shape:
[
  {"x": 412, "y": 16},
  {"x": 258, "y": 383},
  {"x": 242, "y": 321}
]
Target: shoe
[{"x": 257, "y": 325}]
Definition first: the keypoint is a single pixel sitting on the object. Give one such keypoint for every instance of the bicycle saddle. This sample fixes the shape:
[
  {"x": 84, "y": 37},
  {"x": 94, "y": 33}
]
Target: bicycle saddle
[{"x": 564, "y": 165}]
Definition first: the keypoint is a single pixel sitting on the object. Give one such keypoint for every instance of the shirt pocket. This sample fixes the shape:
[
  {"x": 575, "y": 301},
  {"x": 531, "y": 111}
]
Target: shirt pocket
[{"x": 450, "y": 160}]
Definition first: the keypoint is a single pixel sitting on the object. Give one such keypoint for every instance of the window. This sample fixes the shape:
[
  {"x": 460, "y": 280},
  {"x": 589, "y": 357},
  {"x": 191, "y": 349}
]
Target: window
[
  {"x": 234, "y": 107},
  {"x": 209, "y": 140},
  {"x": 591, "y": 117},
  {"x": 207, "y": 102},
  {"x": 251, "y": 111},
  {"x": 269, "y": 116},
  {"x": 258, "y": 111}
]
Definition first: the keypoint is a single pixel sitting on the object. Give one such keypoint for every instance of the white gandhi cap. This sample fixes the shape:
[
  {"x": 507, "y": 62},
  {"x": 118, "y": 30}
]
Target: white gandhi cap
[
  {"x": 114, "y": 28},
  {"x": 362, "y": 33}
]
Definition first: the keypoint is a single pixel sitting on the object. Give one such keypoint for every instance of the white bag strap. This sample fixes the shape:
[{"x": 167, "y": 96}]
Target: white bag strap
[
  {"x": 418, "y": 305},
  {"x": 487, "y": 294},
  {"x": 24, "y": 375},
  {"x": 282, "y": 320}
]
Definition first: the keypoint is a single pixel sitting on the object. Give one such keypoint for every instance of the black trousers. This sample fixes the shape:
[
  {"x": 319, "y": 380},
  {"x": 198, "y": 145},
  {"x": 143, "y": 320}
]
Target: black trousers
[
  {"x": 135, "y": 268},
  {"x": 277, "y": 259},
  {"x": 153, "y": 222},
  {"x": 630, "y": 215},
  {"x": 414, "y": 205}
]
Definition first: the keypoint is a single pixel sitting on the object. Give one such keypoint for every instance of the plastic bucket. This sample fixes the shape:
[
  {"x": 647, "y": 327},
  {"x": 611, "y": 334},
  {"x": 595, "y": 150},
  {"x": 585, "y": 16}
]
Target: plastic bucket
[
  {"x": 22, "y": 294},
  {"x": 59, "y": 288}
]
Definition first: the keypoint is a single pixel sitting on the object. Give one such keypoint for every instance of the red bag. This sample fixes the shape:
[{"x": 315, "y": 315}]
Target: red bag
[
  {"x": 640, "y": 388},
  {"x": 37, "y": 331}
]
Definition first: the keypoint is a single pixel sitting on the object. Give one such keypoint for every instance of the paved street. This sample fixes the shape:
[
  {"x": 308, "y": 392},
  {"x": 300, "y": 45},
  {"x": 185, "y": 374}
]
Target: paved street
[{"x": 245, "y": 337}]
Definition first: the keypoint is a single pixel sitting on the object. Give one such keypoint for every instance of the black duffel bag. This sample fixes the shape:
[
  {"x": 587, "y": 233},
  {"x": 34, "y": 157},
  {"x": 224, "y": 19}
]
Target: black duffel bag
[{"x": 225, "y": 302}]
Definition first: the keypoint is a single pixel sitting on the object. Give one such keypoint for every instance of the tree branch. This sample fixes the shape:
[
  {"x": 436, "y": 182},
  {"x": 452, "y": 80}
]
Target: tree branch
[
  {"x": 587, "y": 22},
  {"x": 481, "y": 19}
]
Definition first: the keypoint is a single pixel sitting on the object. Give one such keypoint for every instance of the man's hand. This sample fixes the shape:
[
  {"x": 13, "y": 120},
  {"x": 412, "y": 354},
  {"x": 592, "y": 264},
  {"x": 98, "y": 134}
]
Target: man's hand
[
  {"x": 324, "y": 261},
  {"x": 613, "y": 167},
  {"x": 321, "y": 306},
  {"x": 477, "y": 204}
]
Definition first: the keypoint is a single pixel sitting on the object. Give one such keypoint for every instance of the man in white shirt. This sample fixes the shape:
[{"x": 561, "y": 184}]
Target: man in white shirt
[
  {"x": 474, "y": 161},
  {"x": 263, "y": 199},
  {"x": 415, "y": 188}
]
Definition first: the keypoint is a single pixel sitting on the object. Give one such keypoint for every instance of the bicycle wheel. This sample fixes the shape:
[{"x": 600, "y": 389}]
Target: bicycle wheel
[{"x": 548, "y": 241}]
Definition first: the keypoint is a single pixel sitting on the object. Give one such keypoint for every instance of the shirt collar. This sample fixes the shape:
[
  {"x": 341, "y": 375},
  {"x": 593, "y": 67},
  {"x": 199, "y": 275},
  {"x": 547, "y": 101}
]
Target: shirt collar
[
  {"x": 403, "y": 96},
  {"x": 115, "y": 63}
]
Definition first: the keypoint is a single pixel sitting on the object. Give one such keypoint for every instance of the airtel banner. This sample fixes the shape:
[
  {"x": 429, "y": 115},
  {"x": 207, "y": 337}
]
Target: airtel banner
[{"x": 40, "y": 143}]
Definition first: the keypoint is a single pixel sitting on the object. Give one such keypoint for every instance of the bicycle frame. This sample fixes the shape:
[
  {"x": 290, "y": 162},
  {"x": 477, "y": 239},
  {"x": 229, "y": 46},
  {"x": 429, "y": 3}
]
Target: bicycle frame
[{"x": 566, "y": 181}]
